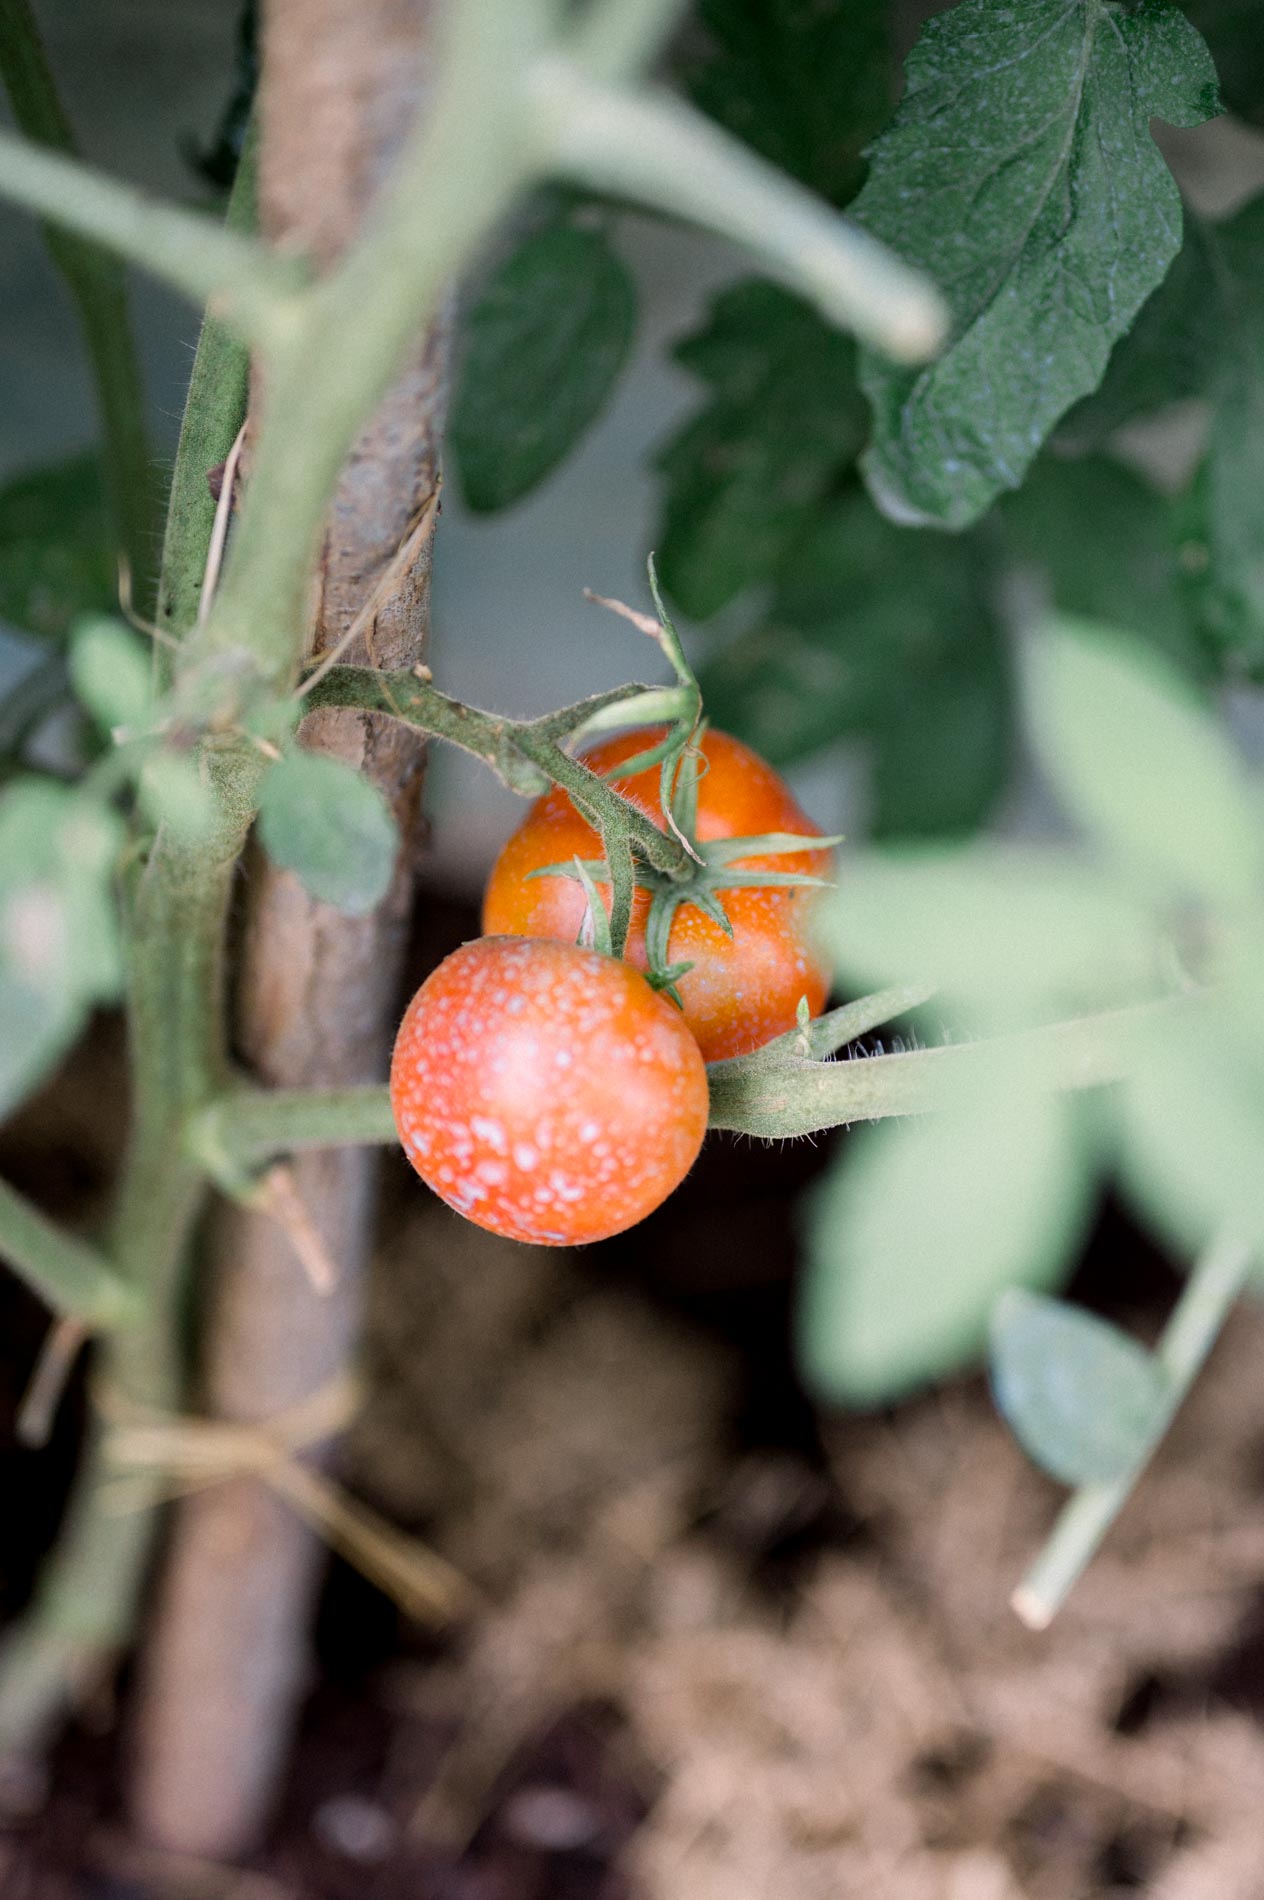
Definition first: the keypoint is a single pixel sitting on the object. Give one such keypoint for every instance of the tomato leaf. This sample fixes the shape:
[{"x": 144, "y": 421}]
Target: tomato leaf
[
  {"x": 1020, "y": 173},
  {"x": 59, "y": 947},
  {"x": 1139, "y": 762},
  {"x": 1202, "y": 334},
  {"x": 1100, "y": 541},
  {"x": 919, "y": 1230},
  {"x": 1232, "y": 30},
  {"x": 111, "y": 673},
  {"x": 1012, "y": 934},
  {"x": 56, "y": 550},
  {"x": 745, "y": 475},
  {"x": 1083, "y": 1399},
  {"x": 804, "y": 84},
  {"x": 1193, "y": 1129},
  {"x": 331, "y": 827},
  {"x": 544, "y": 346}
]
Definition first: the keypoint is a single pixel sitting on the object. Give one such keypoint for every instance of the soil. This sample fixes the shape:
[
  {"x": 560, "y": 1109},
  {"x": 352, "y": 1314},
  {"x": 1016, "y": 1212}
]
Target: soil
[{"x": 726, "y": 1648}]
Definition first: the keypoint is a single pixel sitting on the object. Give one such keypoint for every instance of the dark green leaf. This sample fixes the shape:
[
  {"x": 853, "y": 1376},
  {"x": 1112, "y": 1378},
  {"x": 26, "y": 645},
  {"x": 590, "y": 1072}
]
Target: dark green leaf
[
  {"x": 1083, "y": 1399},
  {"x": 1101, "y": 542},
  {"x": 545, "y": 343},
  {"x": 56, "y": 549},
  {"x": 878, "y": 633},
  {"x": 1193, "y": 1127},
  {"x": 744, "y": 477},
  {"x": 806, "y": 82},
  {"x": 941, "y": 759},
  {"x": 1021, "y": 174},
  {"x": 1202, "y": 334},
  {"x": 59, "y": 950},
  {"x": 1233, "y": 31},
  {"x": 919, "y": 1229},
  {"x": 1168, "y": 354},
  {"x": 330, "y": 827}
]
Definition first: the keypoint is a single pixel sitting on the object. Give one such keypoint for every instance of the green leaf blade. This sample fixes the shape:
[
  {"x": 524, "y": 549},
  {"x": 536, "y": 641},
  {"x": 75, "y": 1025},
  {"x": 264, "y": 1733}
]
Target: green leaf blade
[
  {"x": 804, "y": 85},
  {"x": 546, "y": 343},
  {"x": 56, "y": 548},
  {"x": 1021, "y": 175},
  {"x": 332, "y": 828},
  {"x": 922, "y": 1227},
  {"x": 1083, "y": 1400},
  {"x": 1139, "y": 762},
  {"x": 877, "y": 634},
  {"x": 745, "y": 476},
  {"x": 59, "y": 942}
]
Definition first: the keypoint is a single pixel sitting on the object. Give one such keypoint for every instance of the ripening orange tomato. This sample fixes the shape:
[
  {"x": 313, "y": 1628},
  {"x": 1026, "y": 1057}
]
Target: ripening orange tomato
[
  {"x": 743, "y": 990},
  {"x": 547, "y": 1092}
]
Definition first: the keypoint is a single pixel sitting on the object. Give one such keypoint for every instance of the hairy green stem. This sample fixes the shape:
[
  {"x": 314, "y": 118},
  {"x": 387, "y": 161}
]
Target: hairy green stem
[
  {"x": 773, "y": 1093},
  {"x": 455, "y": 177},
  {"x": 98, "y": 290},
  {"x": 243, "y": 1131},
  {"x": 221, "y": 381},
  {"x": 257, "y": 293},
  {"x": 73, "y": 1277},
  {"x": 796, "y": 1096},
  {"x": 526, "y": 754},
  {"x": 1197, "y": 1318}
]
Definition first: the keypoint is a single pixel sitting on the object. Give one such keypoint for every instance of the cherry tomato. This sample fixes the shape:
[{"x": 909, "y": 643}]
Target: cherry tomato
[
  {"x": 546, "y": 1092},
  {"x": 742, "y": 990}
]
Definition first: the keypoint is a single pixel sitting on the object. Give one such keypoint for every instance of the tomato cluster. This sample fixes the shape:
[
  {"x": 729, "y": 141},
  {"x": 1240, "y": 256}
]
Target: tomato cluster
[{"x": 550, "y": 1093}]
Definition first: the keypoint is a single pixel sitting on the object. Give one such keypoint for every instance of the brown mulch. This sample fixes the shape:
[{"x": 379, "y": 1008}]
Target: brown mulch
[{"x": 728, "y": 1651}]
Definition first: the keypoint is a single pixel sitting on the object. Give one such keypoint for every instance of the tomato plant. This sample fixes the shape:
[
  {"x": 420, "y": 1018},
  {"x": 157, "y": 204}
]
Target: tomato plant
[
  {"x": 546, "y": 1091},
  {"x": 741, "y": 989}
]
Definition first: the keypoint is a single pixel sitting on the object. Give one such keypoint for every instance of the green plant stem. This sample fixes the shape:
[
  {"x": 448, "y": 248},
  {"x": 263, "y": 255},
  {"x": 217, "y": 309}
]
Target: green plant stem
[
  {"x": 257, "y": 293},
  {"x": 526, "y": 754},
  {"x": 771, "y": 1093},
  {"x": 243, "y": 1131},
  {"x": 795, "y": 1096},
  {"x": 73, "y": 1277},
  {"x": 98, "y": 291},
  {"x": 655, "y": 149},
  {"x": 1197, "y": 1318},
  {"x": 85, "y": 1603},
  {"x": 617, "y": 39},
  {"x": 221, "y": 376},
  {"x": 454, "y": 178}
]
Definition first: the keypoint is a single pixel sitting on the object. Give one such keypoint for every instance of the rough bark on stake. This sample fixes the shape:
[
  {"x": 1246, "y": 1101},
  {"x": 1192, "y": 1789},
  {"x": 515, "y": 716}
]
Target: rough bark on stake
[{"x": 227, "y": 1658}]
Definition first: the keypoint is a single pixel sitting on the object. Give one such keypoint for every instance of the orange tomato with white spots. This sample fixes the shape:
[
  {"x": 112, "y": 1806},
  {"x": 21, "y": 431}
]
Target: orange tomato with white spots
[
  {"x": 742, "y": 990},
  {"x": 546, "y": 1092}
]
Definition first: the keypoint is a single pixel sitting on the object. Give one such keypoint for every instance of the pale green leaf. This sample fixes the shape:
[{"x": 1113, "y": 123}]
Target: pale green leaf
[
  {"x": 920, "y": 1228},
  {"x": 1011, "y": 934},
  {"x": 1082, "y": 1398},
  {"x": 331, "y": 827},
  {"x": 1193, "y": 1129},
  {"x": 1021, "y": 174},
  {"x": 59, "y": 945},
  {"x": 1138, "y": 761},
  {"x": 112, "y": 674}
]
